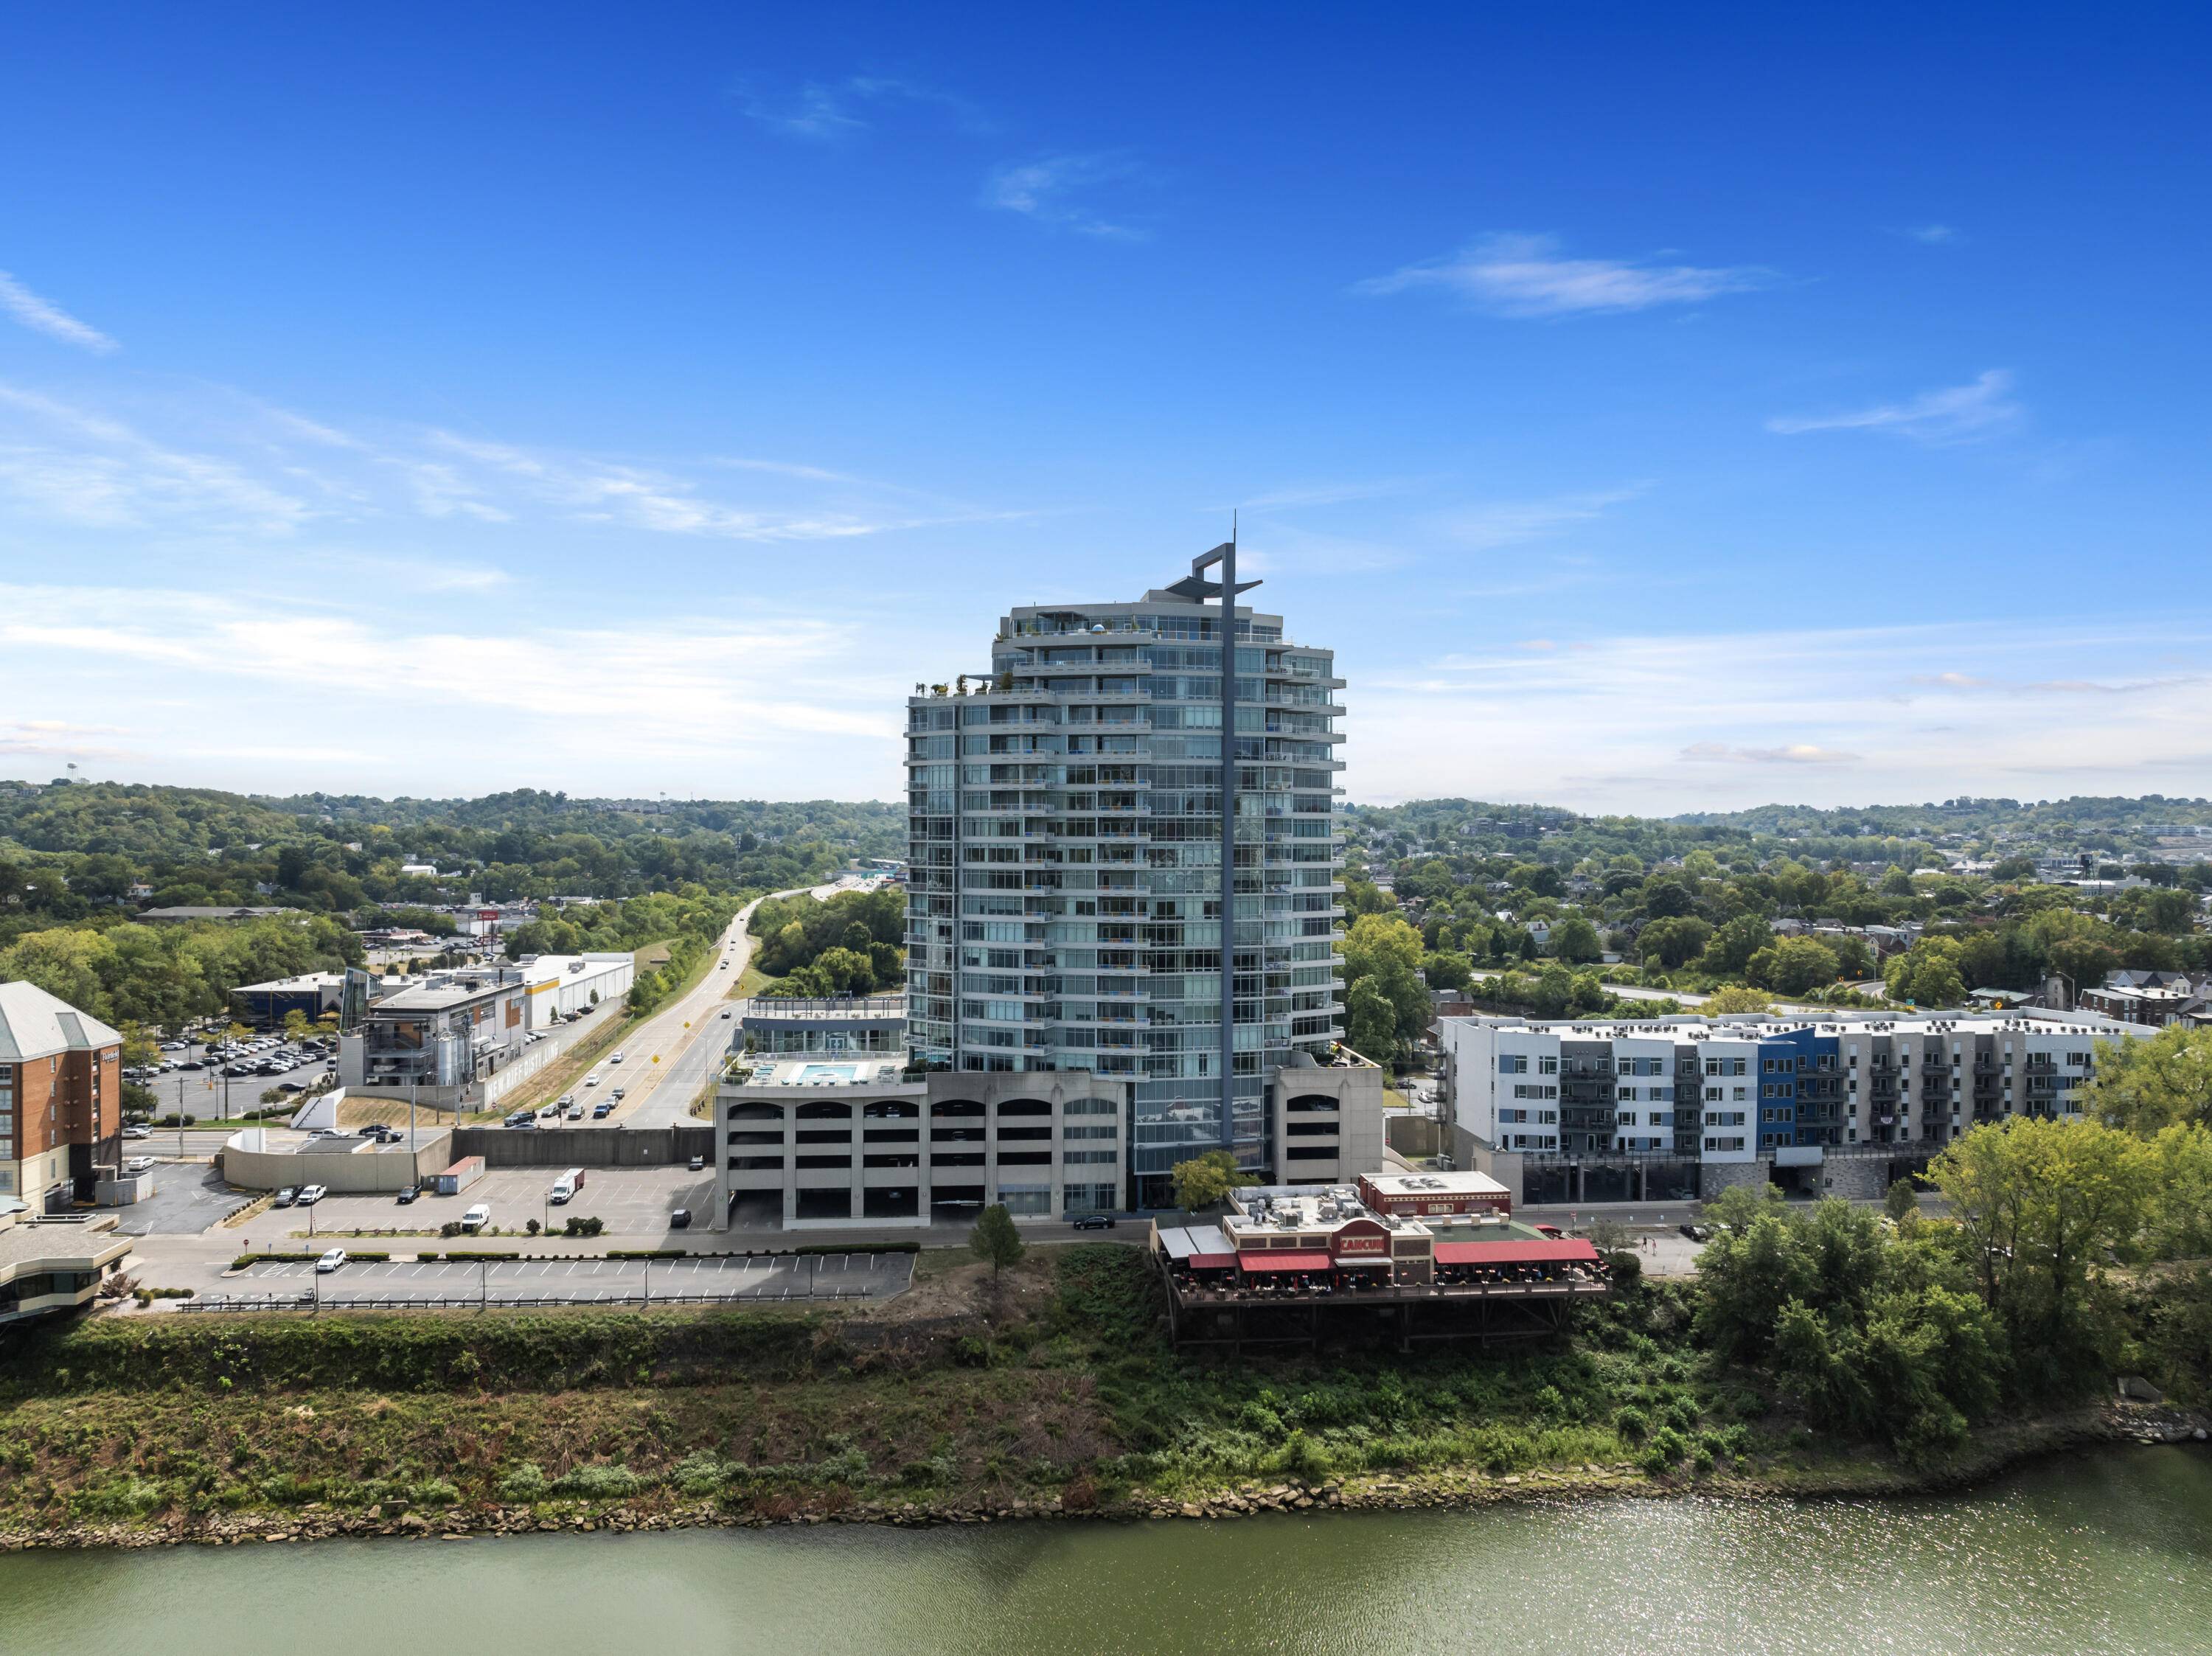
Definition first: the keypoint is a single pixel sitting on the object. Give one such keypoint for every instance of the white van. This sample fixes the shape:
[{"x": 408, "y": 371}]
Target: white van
[
  {"x": 568, "y": 1184},
  {"x": 477, "y": 1217}
]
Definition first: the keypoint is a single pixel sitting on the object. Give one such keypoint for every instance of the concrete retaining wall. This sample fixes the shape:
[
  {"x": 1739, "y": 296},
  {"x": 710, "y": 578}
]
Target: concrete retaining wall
[
  {"x": 364, "y": 1171},
  {"x": 1410, "y": 1134},
  {"x": 1714, "y": 1177},
  {"x": 585, "y": 1147}
]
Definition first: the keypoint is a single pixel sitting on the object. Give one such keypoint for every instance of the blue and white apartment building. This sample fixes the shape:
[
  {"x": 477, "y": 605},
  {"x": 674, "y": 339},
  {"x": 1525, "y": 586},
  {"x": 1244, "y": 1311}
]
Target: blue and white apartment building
[{"x": 1682, "y": 1107}]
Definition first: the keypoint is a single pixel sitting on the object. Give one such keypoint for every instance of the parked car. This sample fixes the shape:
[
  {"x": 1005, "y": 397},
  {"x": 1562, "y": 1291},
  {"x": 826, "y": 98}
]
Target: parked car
[
  {"x": 477, "y": 1217},
  {"x": 697, "y": 1164},
  {"x": 330, "y": 1261},
  {"x": 284, "y": 1197},
  {"x": 408, "y": 1194},
  {"x": 290, "y": 1087},
  {"x": 1698, "y": 1233},
  {"x": 311, "y": 1194},
  {"x": 1094, "y": 1222},
  {"x": 138, "y": 1164},
  {"x": 134, "y": 1131},
  {"x": 680, "y": 1220}
]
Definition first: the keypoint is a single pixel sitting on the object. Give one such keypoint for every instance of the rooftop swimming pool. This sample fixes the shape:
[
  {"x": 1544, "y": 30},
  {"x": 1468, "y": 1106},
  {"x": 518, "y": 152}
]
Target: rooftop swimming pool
[{"x": 846, "y": 1072}]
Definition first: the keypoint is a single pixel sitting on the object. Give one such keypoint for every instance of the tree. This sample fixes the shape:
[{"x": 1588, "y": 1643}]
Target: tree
[
  {"x": 2145, "y": 1085},
  {"x": 1575, "y": 940},
  {"x": 296, "y": 1026},
  {"x": 1900, "y": 1200},
  {"x": 1734, "y": 945},
  {"x": 1370, "y": 1022},
  {"x": 1674, "y": 942},
  {"x": 1734, "y": 997},
  {"x": 1792, "y": 966},
  {"x": 1446, "y": 970},
  {"x": 2041, "y": 1201},
  {"x": 1206, "y": 1180},
  {"x": 994, "y": 1240}
]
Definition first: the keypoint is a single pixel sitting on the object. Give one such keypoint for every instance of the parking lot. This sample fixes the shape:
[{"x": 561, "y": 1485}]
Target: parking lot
[
  {"x": 634, "y": 1202},
  {"x": 188, "y": 1198},
  {"x": 569, "y": 1282}
]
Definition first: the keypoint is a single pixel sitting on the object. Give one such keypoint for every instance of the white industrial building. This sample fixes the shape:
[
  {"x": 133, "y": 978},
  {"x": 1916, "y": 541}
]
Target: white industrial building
[{"x": 561, "y": 986}]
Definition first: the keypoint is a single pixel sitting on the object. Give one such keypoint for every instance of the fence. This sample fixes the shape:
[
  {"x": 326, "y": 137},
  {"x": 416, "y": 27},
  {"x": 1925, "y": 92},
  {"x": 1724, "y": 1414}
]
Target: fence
[{"x": 498, "y": 1301}]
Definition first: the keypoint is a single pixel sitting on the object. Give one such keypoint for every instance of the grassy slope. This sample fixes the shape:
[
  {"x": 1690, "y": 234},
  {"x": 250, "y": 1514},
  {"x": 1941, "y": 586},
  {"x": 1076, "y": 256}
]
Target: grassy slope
[{"x": 1058, "y": 1381}]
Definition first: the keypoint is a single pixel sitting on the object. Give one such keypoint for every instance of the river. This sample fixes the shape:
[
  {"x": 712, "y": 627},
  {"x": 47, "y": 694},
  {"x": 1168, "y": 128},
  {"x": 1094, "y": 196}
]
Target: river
[{"x": 2109, "y": 1553}]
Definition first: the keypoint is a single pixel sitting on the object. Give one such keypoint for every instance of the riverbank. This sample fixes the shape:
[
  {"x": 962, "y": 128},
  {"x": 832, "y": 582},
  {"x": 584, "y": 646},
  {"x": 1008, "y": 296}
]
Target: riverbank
[{"x": 1047, "y": 1394}]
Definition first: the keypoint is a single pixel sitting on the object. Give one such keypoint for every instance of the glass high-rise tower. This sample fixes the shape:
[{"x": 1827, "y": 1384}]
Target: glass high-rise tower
[{"x": 1065, "y": 897}]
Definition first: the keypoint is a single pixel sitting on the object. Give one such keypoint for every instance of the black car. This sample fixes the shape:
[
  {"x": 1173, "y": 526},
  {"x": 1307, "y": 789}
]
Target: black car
[
  {"x": 1094, "y": 1222},
  {"x": 407, "y": 1193},
  {"x": 1696, "y": 1233},
  {"x": 680, "y": 1220}
]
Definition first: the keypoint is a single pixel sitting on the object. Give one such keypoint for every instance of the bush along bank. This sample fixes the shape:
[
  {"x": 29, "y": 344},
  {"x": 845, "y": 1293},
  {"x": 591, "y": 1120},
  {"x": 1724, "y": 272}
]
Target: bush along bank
[{"x": 1053, "y": 1392}]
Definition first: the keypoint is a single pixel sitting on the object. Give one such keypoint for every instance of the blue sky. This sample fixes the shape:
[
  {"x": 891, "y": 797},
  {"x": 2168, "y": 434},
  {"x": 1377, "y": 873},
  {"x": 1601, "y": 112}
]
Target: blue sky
[{"x": 1657, "y": 408}]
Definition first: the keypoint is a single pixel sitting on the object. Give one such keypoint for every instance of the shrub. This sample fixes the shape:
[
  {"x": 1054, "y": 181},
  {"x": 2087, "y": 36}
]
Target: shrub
[
  {"x": 1625, "y": 1268},
  {"x": 435, "y": 1492},
  {"x": 526, "y": 1483},
  {"x": 607, "y": 1482},
  {"x": 1633, "y": 1424}
]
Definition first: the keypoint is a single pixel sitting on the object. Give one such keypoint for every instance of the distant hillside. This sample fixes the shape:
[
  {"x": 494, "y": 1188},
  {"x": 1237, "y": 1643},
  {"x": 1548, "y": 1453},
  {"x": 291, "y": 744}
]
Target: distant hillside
[{"x": 84, "y": 852}]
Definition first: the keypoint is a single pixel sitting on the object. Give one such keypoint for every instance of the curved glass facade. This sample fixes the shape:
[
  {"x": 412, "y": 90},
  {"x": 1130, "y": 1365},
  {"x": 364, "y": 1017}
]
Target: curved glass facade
[{"x": 1064, "y": 902}]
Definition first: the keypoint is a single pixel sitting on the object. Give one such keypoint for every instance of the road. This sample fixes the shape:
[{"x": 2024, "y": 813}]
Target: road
[{"x": 688, "y": 1038}]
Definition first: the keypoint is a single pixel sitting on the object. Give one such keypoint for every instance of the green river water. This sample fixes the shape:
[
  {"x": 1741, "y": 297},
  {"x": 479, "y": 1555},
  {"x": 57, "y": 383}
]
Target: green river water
[{"x": 2110, "y": 1552}]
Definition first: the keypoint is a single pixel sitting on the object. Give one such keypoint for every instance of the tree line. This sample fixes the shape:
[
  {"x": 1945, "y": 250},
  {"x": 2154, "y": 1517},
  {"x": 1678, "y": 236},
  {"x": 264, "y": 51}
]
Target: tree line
[{"x": 849, "y": 945}]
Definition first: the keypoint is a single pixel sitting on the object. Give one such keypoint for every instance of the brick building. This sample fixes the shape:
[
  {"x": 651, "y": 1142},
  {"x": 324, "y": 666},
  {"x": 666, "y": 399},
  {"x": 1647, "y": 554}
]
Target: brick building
[{"x": 61, "y": 1098}]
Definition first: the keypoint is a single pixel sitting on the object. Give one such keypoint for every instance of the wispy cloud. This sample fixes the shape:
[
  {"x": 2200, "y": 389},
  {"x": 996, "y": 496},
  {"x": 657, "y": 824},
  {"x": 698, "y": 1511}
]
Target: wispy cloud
[
  {"x": 89, "y": 468},
  {"x": 1932, "y": 236},
  {"x": 826, "y": 112},
  {"x": 1051, "y": 190},
  {"x": 1795, "y": 753},
  {"x": 784, "y": 696},
  {"x": 1491, "y": 525},
  {"x": 1526, "y": 276},
  {"x": 278, "y": 471},
  {"x": 1714, "y": 720},
  {"x": 44, "y": 315},
  {"x": 1982, "y": 408}
]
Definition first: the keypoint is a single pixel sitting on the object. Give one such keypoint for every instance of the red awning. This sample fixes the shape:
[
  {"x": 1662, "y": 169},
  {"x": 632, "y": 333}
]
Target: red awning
[
  {"x": 1566, "y": 1250},
  {"x": 1211, "y": 1261},
  {"x": 1285, "y": 1261}
]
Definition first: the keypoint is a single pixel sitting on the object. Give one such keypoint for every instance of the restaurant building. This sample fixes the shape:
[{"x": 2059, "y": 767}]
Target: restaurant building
[{"x": 1287, "y": 1247}]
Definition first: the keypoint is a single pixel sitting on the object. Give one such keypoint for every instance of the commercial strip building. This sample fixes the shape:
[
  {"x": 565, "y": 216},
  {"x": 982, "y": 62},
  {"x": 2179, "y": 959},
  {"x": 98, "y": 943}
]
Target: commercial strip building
[
  {"x": 61, "y": 1099},
  {"x": 1074, "y": 814},
  {"x": 1683, "y": 1108},
  {"x": 53, "y": 1264}
]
